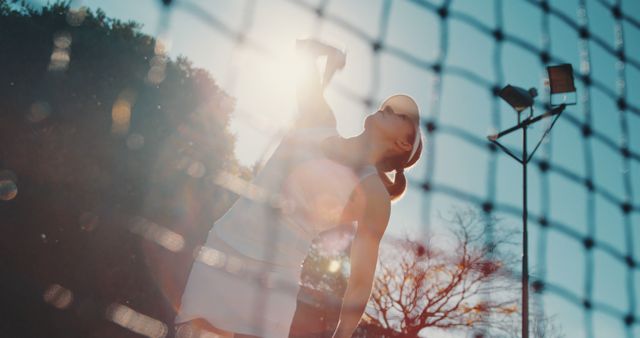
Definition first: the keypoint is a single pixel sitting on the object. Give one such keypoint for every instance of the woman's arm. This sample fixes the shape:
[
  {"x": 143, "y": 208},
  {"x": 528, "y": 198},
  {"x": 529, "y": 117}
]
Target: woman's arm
[
  {"x": 314, "y": 111},
  {"x": 364, "y": 256}
]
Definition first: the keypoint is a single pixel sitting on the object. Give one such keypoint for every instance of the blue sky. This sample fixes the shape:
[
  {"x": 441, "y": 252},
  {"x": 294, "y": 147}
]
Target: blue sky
[{"x": 266, "y": 102}]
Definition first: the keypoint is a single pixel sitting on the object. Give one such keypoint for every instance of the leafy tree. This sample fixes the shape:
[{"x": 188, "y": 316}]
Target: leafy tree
[{"x": 99, "y": 130}]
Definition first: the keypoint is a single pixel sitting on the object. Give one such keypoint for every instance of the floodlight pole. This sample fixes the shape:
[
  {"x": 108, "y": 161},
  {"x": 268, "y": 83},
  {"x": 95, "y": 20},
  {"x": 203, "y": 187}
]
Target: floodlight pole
[
  {"x": 525, "y": 239},
  {"x": 524, "y": 160}
]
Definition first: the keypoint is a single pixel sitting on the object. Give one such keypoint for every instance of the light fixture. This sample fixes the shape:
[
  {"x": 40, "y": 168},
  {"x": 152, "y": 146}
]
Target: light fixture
[
  {"x": 560, "y": 83},
  {"x": 519, "y": 98}
]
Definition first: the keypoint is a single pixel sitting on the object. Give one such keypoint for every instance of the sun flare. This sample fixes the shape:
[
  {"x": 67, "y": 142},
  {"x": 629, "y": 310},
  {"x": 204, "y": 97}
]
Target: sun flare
[{"x": 266, "y": 86}]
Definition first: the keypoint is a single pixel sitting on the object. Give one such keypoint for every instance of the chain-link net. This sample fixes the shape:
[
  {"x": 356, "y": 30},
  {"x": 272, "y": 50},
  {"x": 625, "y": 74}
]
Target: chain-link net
[{"x": 607, "y": 71}]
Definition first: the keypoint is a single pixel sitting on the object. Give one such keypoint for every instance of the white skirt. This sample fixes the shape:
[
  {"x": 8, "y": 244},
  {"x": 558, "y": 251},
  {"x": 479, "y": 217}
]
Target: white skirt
[{"x": 233, "y": 292}]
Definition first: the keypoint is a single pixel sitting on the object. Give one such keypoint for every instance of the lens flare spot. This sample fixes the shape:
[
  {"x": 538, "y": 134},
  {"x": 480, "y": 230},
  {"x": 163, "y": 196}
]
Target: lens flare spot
[
  {"x": 62, "y": 40},
  {"x": 153, "y": 232},
  {"x": 211, "y": 257},
  {"x": 158, "y": 63},
  {"x": 8, "y": 189},
  {"x": 334, "y": 266},
  {"x": 135, "y": 321},
  {"x": 75, "y": 16},
  {"x": 60, "y": 56},
  {"x": 121, "y": 113},
  {"x": 58, "y": 296}
]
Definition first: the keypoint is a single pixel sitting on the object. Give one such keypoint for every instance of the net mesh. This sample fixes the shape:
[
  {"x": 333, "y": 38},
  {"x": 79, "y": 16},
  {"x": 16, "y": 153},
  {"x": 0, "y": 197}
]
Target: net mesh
[{"x": 600, "y": 84}]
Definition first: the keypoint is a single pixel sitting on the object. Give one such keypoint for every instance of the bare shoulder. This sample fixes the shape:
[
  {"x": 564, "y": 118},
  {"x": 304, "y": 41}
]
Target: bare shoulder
[
  {"x": 377, "y": 207},
  {"x": 372, "y": 185}
]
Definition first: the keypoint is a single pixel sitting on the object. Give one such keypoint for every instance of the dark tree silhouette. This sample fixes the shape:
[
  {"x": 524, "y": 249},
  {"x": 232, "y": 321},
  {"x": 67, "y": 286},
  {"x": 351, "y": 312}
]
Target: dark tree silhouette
[{"x": 102, "y": 137}]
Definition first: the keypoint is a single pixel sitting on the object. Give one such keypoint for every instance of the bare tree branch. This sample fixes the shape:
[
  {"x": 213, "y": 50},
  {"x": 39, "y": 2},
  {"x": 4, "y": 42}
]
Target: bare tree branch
[{"x": 420, "y": 286}]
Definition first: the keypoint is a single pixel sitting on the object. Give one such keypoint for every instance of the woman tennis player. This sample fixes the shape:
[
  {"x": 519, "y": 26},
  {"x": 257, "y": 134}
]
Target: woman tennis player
[{"x": 244, "y": 281}]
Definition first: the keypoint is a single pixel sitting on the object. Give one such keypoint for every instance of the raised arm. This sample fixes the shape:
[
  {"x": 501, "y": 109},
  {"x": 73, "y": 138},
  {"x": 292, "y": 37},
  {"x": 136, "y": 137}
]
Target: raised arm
[
  {"x": 313, "y": 109},
  {"x": 364, "y": 256}
]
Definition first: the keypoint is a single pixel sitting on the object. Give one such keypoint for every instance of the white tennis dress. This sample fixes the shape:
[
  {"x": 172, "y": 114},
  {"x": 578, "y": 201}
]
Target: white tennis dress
[{"x": 245, "y": 278}]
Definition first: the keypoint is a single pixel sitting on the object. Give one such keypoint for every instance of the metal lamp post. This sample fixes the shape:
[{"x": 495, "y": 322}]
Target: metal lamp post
[{"x": 560, "y": 83}]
